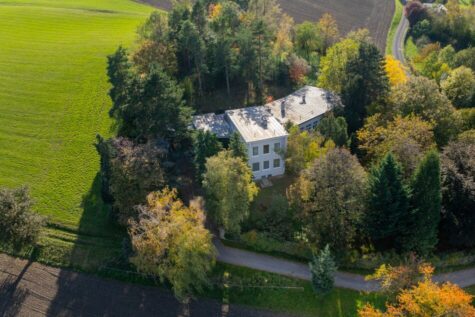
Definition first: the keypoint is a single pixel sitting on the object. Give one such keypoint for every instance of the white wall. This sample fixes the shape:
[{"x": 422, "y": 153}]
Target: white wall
[{"x": 269, "y": 157}]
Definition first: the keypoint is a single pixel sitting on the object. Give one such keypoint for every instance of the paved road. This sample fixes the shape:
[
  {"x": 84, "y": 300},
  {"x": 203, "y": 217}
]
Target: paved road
[
  {"x": 31, "y": 289},
  {"x": 400, "y": 36},
  {"x": 267, "y": 263}
]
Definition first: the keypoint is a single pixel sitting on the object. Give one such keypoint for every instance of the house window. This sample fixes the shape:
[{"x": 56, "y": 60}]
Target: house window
[
  {"x": 255, "y": 150},
  {"x": 266, "y": 149},
  {"x": 255, "y": 167},
  {"x": 266, "y": 165},
  {"x": 276, "y": 147},
  {"x": 276, "y": 163}
]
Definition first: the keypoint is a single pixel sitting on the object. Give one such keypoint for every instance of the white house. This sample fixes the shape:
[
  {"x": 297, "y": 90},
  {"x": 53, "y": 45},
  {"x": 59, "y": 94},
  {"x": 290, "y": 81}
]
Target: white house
[{"x": 262, "y": 127}]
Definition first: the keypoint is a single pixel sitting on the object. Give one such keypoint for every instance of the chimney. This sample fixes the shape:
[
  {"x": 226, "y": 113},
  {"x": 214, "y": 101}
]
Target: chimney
[
  {"x": 303, "y": 99},
  {"x": 282, "y": 108}
]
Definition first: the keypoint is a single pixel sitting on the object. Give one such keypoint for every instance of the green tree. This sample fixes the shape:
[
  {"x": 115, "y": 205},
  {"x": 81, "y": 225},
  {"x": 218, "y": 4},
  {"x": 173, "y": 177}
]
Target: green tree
[
  {"x": 19, "y": 225},
  {"x": 329, "y": 198},
  {"x": 323, "y": 268},
  {"x": 459, "y": 87},
  {"x": 118, "y": 70},
  {"x": 421, "y": 96},
  {"x": 238, "y": 147},
  {"x": 334, "y": 129},
  {"x": 425, "y": 204},
  {"x": 170, "y": 241},
  {"x": 458, "y": 191},
  {"x": 229, "y": 190},
  {"x": 307, "y": 39},
  {"x": 205, "y": 144},
  {"x": 328, "y": 30},
  {"x": 388, "y": 204}
]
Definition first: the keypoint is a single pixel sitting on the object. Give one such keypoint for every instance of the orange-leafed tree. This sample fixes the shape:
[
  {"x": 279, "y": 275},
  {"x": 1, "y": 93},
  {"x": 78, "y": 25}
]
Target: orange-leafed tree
[{"x": 395, "y": 71}]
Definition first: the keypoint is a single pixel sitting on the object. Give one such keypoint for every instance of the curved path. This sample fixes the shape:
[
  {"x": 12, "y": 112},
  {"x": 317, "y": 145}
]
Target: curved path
[
  {"x": 353, "y": 281},
  {"x": 399, "y": 38}
]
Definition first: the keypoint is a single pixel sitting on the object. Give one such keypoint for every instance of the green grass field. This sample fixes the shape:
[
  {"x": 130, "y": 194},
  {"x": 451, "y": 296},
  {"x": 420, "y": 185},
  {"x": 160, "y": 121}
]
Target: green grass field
[{"x": 53, "y": 101}]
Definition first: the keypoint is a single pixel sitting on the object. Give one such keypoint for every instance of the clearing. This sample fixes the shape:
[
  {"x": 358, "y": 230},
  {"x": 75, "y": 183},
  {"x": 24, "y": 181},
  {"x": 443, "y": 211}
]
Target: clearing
[{"x": 53, "y": 101}]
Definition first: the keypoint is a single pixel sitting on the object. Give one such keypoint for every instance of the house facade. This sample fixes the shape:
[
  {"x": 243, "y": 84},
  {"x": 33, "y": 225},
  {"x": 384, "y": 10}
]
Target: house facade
[{"x": 262, "y": 127}]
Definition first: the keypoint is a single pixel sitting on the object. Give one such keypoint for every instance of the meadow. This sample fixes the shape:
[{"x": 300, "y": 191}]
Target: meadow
[{"x": 53, "y": 101}]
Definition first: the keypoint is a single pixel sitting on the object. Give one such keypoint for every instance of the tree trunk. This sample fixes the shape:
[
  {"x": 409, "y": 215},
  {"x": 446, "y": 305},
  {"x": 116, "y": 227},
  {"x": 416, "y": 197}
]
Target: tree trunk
[{"x": 228, "y": 88}]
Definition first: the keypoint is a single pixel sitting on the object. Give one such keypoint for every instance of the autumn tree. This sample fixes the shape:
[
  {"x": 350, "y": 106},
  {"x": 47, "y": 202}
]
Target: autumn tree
[
  {"x": 421, "y": 96},
  {"x": 298, "y": 69},
  {"x": 170, "y": 241},
  {"x": 303, "y": 148},
  {"x": 388, "y": 204},
  {"x": 328, "y": 30},
  {"x": 422, "y": 223},
  {"x": 330, "y": 199},
  {"x": 323, "y": 268},
  {"x": 459, "y": 87},
  {"x": 415, "y": 12},
  {"x": 205, "y": 144},
  {"x": 131, "y": 171},
  {"x": 19, "y": 225},
  {"x": 395, "y": 71},
  {"x": 408, "y": 138},
  {"x": 458, "y": 191},
  {"x": 229, "y": 190},
  {"x": 426, "y": 298}
]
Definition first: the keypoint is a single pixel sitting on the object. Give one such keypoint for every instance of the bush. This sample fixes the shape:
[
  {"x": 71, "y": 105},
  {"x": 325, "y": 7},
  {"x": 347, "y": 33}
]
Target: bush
[
  {"x": 19, "y": 226},
  {"x": 323, "y": 268}
]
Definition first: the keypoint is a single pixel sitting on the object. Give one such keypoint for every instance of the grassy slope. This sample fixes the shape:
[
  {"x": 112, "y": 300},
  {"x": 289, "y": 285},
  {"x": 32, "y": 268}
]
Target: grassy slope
[
  {"x": 394, "y": 24},
  {"x": 53, "y": 100}
]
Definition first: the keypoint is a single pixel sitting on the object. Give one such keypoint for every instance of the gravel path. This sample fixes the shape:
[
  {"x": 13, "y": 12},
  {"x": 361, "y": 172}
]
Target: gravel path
[{"x": 31, "y": 289}]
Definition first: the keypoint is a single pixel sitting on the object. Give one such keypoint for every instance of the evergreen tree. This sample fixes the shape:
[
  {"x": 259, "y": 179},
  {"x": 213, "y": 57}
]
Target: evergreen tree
[
  {"x": 323, "y": 268},
  {"x": 334, "y": 129},
  {"x": 387, "y": 203},
  {"x": 237, "y": 147},
  {"x": 118, "y": 70},
  {"x": 425, "y": 206},
  {"x": 205, "y": 144}
]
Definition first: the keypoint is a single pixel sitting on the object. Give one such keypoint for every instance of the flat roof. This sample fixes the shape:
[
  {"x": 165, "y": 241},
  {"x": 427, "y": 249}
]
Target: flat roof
[
  {"x": 256, "y": 123},
  {"x": 302, "y": 105},
  {"x": 215, "y": 123}
]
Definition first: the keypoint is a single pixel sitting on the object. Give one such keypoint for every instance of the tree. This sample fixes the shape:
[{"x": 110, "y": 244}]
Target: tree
[
  {"x": 298, "y": 69},
  {"x": 19, "y": 225},
  {"x": 205, "y": 144},
  {"x": 307, "y": 39},
  {"x": 421, "y": 96},
  {"x": 408, "y": 138},
  {"x": 415, "y": 12},
  {"x": 395, "y": 71},
  {"x": 323, "y": 268},
  {"x": 238, "y": 147},
  {"x": 329, "y": 198},
  {"x": 229, "y": 190},
  {"x": 170, "y": 241},
  {"x": 459, "y": 87},
  {"x": 458, "y": 191},
  {"x": 426, "y": 298},
  {"x": 131, "y": 171},
  {"x": 303, "y": 148},
  {"x": 328, "y": 30},
  {"x": 387, "y": 204},
  {"x": 425, "y": 203},
  {"x": 334, "y": 129},
  {"x": 118, "y": 70}
]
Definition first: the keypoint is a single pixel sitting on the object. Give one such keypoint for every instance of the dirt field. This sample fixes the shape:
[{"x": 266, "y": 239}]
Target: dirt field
[
  {"x": 30, "y": 289},
  {"x": 374, "y": 15}
]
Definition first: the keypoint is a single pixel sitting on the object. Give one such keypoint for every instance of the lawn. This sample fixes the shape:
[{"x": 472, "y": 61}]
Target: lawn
[
  {"x": 53, "y": 101},
  {"x": 394, "y": 24}
]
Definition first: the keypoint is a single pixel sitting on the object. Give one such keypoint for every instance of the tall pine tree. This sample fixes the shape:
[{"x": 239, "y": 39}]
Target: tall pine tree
[
  {"x": 422, "y": 224},
  {"x": 388, "y": 204}
]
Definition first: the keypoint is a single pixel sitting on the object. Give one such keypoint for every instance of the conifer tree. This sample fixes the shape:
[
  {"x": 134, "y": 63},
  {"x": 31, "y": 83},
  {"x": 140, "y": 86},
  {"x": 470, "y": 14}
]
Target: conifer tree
[
  {"x": 323, "y": 268},
  {"x": 237, "y": 147},
  {"x": 388, "y": 203},
  {"x": 425, "y": 206},
  {"x": 205, "y": 145}
]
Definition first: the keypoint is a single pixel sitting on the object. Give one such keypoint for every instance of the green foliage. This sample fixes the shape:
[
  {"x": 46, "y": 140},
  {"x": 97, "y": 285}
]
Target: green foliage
[
  {"x": 205, "y": 144},
  {"x": 307, "y": 39},
  {"x": 459, "y": 87},
  {"x": 423, "y": 220},
  {"x": 323, "y": 268},
  {"x": 238, "y": 147},
  {"x": 229, "y": 190},
  {"x": 118, "y": 70},
  {"x": 421, "y": 28},
  {"x": 329, "y": 198},
  {"x": 170, "y": 241},
  {"x": 335, "y": 129},
  {"x": 388, "y": 204},
  {"x": 19, "y": 225},
  {"x": 458, "y": 190}
]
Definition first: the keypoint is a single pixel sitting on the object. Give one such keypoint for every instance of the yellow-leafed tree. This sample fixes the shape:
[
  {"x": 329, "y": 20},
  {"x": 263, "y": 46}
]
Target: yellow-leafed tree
[{"x": 395, "y": 71}]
